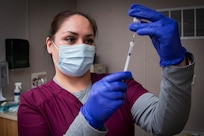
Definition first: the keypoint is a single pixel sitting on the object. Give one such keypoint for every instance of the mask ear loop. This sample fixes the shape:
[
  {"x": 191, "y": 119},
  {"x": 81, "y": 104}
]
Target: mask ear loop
[
  {"x": 54, "y": 60},
  {"x": 54, "y": 44}
]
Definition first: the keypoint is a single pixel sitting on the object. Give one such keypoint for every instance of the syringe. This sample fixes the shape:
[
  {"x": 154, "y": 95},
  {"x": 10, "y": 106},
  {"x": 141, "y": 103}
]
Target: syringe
[{"x": 132, "y": 43}]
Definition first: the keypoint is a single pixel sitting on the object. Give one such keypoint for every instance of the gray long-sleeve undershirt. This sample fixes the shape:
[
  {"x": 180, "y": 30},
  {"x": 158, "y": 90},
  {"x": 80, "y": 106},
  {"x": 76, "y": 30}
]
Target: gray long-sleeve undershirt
[
  {"x": 167, "y": 114},
  {"x": 163, "y": 115}
]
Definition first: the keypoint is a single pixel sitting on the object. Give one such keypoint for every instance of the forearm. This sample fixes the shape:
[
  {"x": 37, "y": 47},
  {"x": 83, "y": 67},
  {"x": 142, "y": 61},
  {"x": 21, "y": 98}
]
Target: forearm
[
  {"x": 175, "y": 100},
  {"x": 168, "y": 114},
  {"x": 80, "y": 127}
]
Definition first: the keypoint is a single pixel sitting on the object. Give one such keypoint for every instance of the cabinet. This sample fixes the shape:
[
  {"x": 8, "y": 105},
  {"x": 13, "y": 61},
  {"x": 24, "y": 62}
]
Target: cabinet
[{"x": 8, "y": 127}]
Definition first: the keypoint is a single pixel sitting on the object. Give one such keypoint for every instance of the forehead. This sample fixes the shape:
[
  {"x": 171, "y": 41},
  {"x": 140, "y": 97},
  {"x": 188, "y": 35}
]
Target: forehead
[{"x": 76, "y": 23}]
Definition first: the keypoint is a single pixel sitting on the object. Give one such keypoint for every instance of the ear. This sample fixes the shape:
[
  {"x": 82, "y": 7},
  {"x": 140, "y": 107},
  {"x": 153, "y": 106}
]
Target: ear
[{"x": 49, "y": 45}]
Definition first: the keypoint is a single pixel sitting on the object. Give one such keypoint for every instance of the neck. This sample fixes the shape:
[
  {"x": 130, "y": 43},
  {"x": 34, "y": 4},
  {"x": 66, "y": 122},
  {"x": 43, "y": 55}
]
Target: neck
[{"x": 73, "y": 84}]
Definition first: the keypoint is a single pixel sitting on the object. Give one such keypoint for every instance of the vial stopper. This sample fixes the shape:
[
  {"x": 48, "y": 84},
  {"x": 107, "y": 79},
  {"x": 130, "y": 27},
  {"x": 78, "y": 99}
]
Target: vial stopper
[{"x": 136, "y": 20}]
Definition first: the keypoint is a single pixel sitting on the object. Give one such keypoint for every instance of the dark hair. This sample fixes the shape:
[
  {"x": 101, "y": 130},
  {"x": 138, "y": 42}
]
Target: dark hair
[{"x": 60, "y": 17}]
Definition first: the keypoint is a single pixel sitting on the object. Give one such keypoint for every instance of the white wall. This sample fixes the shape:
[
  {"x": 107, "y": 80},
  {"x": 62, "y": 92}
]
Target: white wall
[
  {"x": 13, "y": 24},
  {"x": 113, "y": 42},
  {"x": 29, "y": 19}
]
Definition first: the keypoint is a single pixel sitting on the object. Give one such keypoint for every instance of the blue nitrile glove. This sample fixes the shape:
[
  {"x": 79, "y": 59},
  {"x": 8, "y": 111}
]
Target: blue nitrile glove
[
  {"x": 162, "y": 30},
  {"x": 106, "y": 96}
]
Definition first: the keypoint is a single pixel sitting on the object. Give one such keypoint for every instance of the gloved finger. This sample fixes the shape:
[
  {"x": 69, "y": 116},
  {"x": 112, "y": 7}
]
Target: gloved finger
[
  {"x": 103, "y": 86},
  {"x": 118, "y": 76},
  {"x": 144, "y": 29},
  {"x": 115, "y": 86},
  {"x": 142, "y": 12},
  {"x": 165, "y": 25},
  {"x": 115, "y": 104},
  {"x": 113, "y": 95}
]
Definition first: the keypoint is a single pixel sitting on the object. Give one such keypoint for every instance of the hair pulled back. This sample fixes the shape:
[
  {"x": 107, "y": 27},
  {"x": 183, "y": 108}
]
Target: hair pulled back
[{"x": 60, "y": 17}]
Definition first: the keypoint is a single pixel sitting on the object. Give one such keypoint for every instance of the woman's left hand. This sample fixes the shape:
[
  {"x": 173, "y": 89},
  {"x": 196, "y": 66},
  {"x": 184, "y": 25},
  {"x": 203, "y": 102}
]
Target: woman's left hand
[{"x": 162, "y": 30}]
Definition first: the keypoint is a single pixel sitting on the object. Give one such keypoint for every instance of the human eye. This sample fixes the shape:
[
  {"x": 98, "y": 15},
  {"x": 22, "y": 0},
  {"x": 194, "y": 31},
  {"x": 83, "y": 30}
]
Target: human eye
[
  {"x": 70, "y": 40},
  {"x": 89, "y": 41}
]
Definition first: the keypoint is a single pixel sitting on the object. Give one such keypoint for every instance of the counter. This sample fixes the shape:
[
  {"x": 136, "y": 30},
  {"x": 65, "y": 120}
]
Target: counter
[
  {"x": 8, "y": 124},
  {"x": 9, "y": 115}
]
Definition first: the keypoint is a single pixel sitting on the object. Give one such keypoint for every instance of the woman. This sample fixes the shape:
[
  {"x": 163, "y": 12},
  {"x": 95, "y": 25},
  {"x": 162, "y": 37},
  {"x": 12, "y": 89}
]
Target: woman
[{"x": 78, "y": 103}]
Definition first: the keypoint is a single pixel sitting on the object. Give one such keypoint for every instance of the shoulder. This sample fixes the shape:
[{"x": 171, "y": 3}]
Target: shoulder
[{"x": 41, "y": 94}]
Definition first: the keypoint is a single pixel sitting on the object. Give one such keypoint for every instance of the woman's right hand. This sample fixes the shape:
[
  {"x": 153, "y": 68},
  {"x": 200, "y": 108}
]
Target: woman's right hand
[{"x": 106, "y": 96}]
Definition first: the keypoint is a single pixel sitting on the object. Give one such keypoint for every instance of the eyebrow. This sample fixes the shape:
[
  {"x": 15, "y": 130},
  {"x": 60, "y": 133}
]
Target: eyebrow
[{"x": 74, "y": 33}]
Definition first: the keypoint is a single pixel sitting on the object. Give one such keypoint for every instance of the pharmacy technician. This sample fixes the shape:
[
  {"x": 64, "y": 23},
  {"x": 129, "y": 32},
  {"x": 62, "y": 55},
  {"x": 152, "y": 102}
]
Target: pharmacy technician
[{"x": 79, "y": 103}]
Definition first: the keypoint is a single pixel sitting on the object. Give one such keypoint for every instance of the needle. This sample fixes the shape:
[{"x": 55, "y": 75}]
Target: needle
[{"x": 132, "y": 43}]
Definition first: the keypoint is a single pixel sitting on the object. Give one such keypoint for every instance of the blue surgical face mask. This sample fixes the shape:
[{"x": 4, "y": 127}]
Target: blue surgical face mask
[{"x": 75, "y": 60}]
